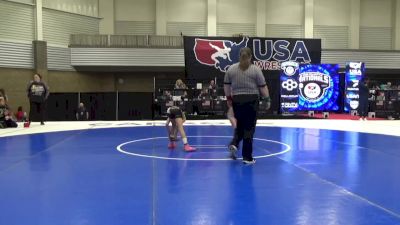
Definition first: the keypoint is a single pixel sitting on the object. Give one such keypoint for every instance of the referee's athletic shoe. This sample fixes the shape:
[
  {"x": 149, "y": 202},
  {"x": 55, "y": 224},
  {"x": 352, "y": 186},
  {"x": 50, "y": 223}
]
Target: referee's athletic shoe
[{"x": 233, "y": 152}]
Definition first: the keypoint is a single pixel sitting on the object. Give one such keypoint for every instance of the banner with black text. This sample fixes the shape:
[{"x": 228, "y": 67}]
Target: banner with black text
[{"x": 208, "y": 57}]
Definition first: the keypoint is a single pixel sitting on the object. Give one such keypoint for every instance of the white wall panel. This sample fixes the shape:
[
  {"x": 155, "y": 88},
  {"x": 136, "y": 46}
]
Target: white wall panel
[
  {"x": 186, "y": 28},
  {"x": 236, "y": 11},
  {"x": 229, "y": 29},
  {"x": 58, "y": 26},
  {"x": 187, "y": 11},
  {"x": 30, "y": 2},
  {"x": 126, "y": 57},
  {"x": 332, "y": 13},
  {"x": 376, "y": 13},
  {"x": 333, "y": 37},
  {"x": 135, "y": 27},
  {"x": 372, "y": 59},
  {"x": 284, "y": 31},
  {"x": 83, "y": 7},
  {"x": 378, "y": 38},
  {"x": 16, "y": 55},
  {"x": 59, "y": 58},
  {"x": 135, "y": 10},
  {"x": 289, "y": 12},
  {"x": 16, "y": 22}
]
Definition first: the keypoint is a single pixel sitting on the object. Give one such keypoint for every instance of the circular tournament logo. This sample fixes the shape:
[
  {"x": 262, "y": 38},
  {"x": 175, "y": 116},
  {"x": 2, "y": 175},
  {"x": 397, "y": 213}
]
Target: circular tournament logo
[
  {"x": 312, "y": 90},
  {"x": 290, "y": 68}
]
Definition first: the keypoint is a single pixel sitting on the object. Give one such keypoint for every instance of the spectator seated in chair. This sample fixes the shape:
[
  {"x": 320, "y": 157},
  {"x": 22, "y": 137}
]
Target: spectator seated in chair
[
  {"x": 204, "y": 94},
  {"x": 20, "y": 115},
  {"x": 81, "y": 113},
  {"x": 212, "y": 89},
  {"x": 6, "y": 120}
]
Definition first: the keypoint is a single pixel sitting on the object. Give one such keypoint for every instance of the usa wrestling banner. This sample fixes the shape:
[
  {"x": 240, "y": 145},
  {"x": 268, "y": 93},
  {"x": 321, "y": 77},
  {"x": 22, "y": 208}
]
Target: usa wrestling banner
[
  {"x": 207, "y": 57},
  {"x": 355, "y": 72}
]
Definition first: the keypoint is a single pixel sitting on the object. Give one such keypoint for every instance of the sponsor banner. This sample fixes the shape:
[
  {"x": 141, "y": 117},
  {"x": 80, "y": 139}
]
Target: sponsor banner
[
  {"x": 309, "y": 87},
  {"x": 354, "y": 74},
  {"x": 212, "y": 56},
  {"x": 289, "y": 86}
]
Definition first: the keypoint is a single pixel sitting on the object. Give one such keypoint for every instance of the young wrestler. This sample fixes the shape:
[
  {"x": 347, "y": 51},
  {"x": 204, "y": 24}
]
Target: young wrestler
[{"x": 176, "y": 117}]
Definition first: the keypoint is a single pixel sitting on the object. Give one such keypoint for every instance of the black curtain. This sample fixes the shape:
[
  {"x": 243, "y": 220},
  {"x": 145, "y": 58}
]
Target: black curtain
[
  {"x": 101, "y": 106},
  {"x": 61, "y": 107},
  {"x": 135, "y": 106}
]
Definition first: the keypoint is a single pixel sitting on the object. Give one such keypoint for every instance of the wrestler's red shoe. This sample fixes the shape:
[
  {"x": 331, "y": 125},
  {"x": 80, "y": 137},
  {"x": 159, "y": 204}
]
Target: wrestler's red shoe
[
  {"x": 171, "y": 145},
  {"x": 188, "y": 148}
]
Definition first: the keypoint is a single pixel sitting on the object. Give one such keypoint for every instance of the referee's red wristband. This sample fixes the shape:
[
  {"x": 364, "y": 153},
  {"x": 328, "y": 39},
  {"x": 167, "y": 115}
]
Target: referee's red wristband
[{"x": 229, "y": 98}]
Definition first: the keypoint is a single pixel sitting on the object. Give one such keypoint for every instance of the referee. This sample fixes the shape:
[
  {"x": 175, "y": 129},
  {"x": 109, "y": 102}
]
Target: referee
[{"x": 243, "y": 84}]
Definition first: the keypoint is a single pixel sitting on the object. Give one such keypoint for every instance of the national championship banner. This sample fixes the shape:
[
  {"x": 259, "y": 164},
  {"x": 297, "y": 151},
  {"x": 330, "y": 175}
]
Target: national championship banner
[
  {"x": 207, "y": 57},
  {"x": 309, "y": 87},
  {"x": 354, "y": 74}
]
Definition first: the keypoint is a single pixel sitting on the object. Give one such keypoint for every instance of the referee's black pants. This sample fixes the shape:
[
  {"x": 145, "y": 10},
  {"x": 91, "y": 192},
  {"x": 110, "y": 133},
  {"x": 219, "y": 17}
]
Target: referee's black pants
[
  {"x": 363, "y": 107},
  {"x": 245, "y": 109}
]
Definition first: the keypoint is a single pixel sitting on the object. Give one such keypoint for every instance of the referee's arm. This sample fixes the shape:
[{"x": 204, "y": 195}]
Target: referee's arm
[
  {"x": 227, "y": 84},
  {"x": 227, "y": 89},
  {"x": 264, "y": 91},
  {"x": 262, "y": 85},
  {"x": 228, "y": 94}
]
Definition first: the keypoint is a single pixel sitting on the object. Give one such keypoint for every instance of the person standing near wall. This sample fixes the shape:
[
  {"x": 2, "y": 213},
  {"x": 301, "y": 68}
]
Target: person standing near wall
[
  {"x": 38, "y": 92},
  {"x": 243, "y": 83},
  {"x": 363, "y": 99}
]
